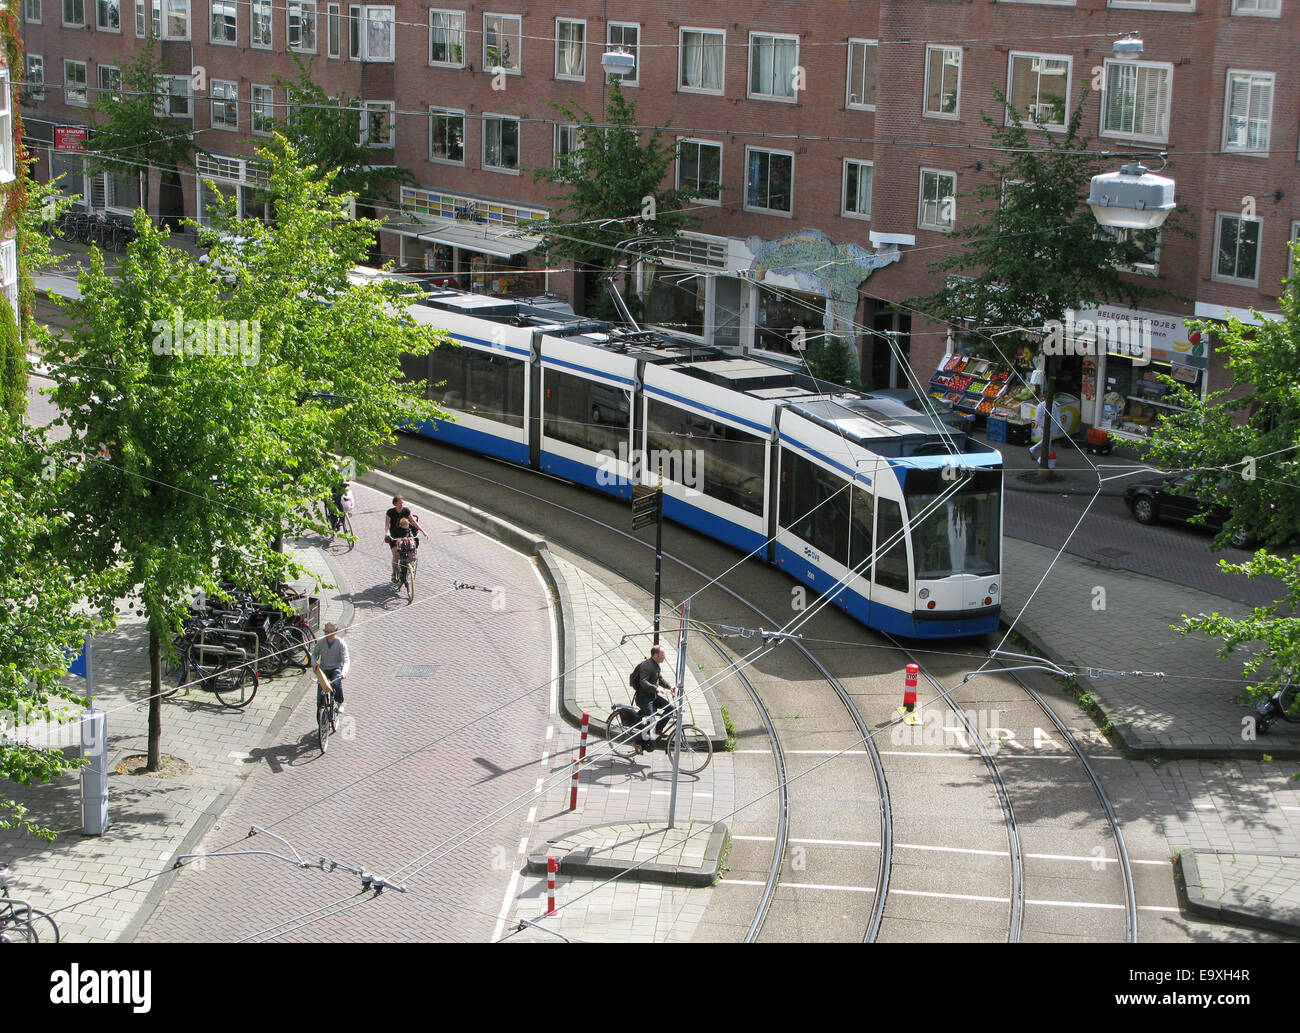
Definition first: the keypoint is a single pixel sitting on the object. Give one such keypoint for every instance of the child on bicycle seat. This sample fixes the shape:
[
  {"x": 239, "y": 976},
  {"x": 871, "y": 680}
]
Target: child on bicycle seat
[{"x": 406, "y": 541}]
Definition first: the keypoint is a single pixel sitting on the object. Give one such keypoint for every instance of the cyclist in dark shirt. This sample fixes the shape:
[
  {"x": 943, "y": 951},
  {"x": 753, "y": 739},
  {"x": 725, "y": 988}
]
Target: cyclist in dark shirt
[
  {"x": 393, "y": 526},
  {"x": 407, "y": 541},
  {"x": 646, "y": 681}
]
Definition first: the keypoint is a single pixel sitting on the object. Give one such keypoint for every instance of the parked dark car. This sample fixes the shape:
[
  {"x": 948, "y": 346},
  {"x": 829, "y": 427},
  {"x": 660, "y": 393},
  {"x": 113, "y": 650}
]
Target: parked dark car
[{"x": 1170, "y": 498}]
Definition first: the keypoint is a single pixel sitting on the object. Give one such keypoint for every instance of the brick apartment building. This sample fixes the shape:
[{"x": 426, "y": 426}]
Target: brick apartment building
[{"x": 823, "y": 140}]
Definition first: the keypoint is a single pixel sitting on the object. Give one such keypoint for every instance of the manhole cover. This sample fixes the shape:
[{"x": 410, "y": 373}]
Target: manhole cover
[
  {"x": 417, "y": 670},
  {"x": 1114, "y": 554}
]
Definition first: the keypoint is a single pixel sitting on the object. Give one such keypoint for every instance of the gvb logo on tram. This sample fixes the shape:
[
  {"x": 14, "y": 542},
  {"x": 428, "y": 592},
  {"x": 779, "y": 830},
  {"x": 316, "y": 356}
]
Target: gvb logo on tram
[{"x": 684, "y": 466}]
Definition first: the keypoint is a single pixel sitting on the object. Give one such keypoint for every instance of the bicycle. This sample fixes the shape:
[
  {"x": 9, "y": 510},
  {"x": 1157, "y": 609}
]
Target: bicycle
[
  {"x": 224, "y": 670},
  {"x": 340, "y": 522},
  {"x": 406, "y": 567},
  {"x": 625, "y": 726},
  {"x": 19, "y": 921},
  {"x": 327, "y": 710}
]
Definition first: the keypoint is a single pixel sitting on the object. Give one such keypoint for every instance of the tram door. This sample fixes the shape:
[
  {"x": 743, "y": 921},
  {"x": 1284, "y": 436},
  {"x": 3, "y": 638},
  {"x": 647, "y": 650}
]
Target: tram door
[{"x": 535, "y": 403}]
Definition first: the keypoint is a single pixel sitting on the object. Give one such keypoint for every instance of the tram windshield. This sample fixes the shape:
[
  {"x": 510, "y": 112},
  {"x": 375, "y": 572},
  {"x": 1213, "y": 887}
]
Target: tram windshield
[{"x": 955, "y": 532}]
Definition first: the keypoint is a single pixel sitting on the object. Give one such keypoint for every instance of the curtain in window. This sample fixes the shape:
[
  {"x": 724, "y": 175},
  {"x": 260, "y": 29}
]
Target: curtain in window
[
  {"x": 702, "y": 61},
  {"x": 571, "y": 59},
  {"x": 379, "y": 34}
]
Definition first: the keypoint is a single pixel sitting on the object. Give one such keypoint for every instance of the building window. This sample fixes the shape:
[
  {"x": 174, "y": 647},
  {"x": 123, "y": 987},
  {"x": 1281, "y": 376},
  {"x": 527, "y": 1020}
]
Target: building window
[
  {"x": 377, "y": 124},
  {"x": 108, "y": 15},
  {"x": 334, "y": 29},
  {"x": 225, "y": 22},
  {"x": 1290, "y": 253},
  {"x": 1267, "y": 8},
  {"x": 570, "y": 49},
  {"x": 772, "y": 64},
  {"x": 447, "y": 38},
  {"x": 32, "y": 11},
  {"x": 1155, "y": 5},
  {"x": 36, "y": 76},
  {"x": 176, "y": 100},
  {"x": 9, "y": 273},
  {"x": 1038, "y": 88},
  {"x": 568, "y": 140},
  {"x": 1135, "y": 100},
  {"x": 703, "y": 53},
  {"x": 1149, "y": 263},
  {"x": 376, "y": 41},
  {"x": 699, "y": 169},
  {"x": 942, "y": 81},
  {"x": 857, "y": 188},
  {"x": 225, "y": 104},
  {"x": 74, "y": 84},
  {"x": 177, "y": 26},
  {"x": 74, "y": 13},
  {"x": 627, "y": 36},
  {"x": 6, "y": 136},
  {"x": 862, "y": 74},
  {"x": 110, "y": 82},
  {"x": 1248, "y": 111},
  {"x": 447, "y": 136},
  {"x": 500, "y": 143},
  {"x": 260, "y": 23},
  {"x": 938, "y": 207},
  {"x": 769, "y": 180},
  {"x": 502, "y": 42},
  {"x": 302, "y": 26},
  {"x": 263, "y": 109},
  {"x": 1237, "y": 249}
]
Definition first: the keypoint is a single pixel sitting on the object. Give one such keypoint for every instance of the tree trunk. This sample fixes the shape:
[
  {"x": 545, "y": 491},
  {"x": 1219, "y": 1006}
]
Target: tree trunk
[{"x": 155, "y": 702}]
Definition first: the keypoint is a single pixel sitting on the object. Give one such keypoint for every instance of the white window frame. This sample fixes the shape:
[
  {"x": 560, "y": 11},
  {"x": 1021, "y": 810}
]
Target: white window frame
[
  {"x": 1290, "y": 258},
  {"x": 848, "y": 75},
  {"x": 1153, "y": 5},
  {"x": 955, "y": 113},
  {"x": 497, "y": 69},
  {"x": 85, "y": 84},
  {"x": 632, "y": 78},
  {"x": 232, "y": 23},
  {"x": 1256, "y": 79},
  {"x": 450, "y": 33},
  {"x": 36, "y": 93},
  {"x": 434, "y": 112},
  {"x": 390, "y": 108},
  {"x": 938, "y": 227},
  {"x": 1055, "y": 127},
  {"x": 256, "y": 40},
  {"x": 699, "y": 142},
  {"x": 303, "y": 11},
  {"x": 1159, "y": 137},
  {"x": 218, "y": 101},
  {"x": 30, "y": 6},
  {"x": 748, "y": 205},
  {"x": 175, "y": 8},
  {"x": 113, "y": 4},
  {"x": 582, "y": 50},
  {"x": 721, "y": 89},
  {"x": 774, "y": 38},
  {"x": 1257, "y": 11},
  {"x": 256, "y": 108},
  {"x": 1219, "y": 219},
  {"x": 164, "y": 106},
  {"x": 100, "y": 88},
  {"x": 368, "y": 14},
  {"x": 333, "y": 31},
  {"x": 519, "y": 144},
  {"x": 9, "y": 274},
  {"x": 569, "y": 129},
  {"x": 6, "y": 139},
  {"x": 844, "y": 189},
  {"x": 63, "y": 14}
]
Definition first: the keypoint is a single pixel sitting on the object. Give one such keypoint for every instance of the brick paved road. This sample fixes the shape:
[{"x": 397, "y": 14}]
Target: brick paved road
[{"x": 400, "y": 778}]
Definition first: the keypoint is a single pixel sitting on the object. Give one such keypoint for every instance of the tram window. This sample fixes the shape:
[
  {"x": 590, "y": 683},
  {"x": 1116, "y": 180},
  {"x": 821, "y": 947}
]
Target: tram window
[
  {"x": 489, "y": 386},
  {"x": 416, "y": 367},
  {"x": 583, "y": 412},
  {"x": 891, "y": 567},
  {"x": 860, "y": 520},
  {"x": 724, "y": 463},
  {"x": 815, "y": 506}
]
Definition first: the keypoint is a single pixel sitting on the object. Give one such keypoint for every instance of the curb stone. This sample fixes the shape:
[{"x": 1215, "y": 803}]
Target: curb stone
[
  {"x": 1284, "y": 920},
  {"x": 580, "y": 863}
]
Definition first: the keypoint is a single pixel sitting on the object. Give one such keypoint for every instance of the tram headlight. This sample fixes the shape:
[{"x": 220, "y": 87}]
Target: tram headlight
[
  {"x": 993, "y": 588},
  {"x": 924, "y": 593}
]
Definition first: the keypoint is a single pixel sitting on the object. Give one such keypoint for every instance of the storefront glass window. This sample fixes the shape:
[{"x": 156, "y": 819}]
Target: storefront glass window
[
  {"x": 780, "y": 313},
  {"x": 676, "y": 301}
]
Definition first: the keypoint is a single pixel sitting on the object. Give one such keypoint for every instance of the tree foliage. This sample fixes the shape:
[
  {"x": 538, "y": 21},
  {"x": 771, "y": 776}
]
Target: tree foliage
[
  {"x": 133, "y": 131},
  {"x": 326, "y": 132},
  {"x": 612, "y": 187},
  {"x": 193, "y": 452}
]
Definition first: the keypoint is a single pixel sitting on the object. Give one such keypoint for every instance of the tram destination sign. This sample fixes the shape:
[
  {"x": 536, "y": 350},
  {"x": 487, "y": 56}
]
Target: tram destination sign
[{"x": 645, "y": 506}]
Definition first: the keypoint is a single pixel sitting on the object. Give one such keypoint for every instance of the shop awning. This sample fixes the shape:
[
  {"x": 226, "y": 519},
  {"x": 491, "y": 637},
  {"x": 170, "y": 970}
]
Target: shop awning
[{"x": 458, "y": 233}]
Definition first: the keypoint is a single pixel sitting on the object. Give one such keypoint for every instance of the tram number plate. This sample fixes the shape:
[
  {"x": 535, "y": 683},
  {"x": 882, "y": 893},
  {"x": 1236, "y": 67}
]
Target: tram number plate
[{"x": 645, "y": 506}]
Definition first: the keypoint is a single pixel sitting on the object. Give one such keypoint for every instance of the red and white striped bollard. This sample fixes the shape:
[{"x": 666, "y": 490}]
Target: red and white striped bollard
[
  {"x": 551, "y": 867},
  {"x": 577, "y": 768}
]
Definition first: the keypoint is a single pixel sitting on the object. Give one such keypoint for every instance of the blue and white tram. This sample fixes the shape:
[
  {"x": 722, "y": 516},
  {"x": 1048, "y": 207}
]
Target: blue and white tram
[{"x": 894, "y": 517}]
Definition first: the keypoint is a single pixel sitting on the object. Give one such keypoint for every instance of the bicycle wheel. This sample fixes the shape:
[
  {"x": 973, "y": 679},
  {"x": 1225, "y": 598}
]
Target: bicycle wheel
[
  {"x": 234, "y": 683},
  {"x": 347, "y": 530},
  {"x": 301, "y": 640},
  {"x": 14, "y": 929},
  {"x": 621, "y": 729},
  {"x": 410, "y": 583},
  {"x": 697, "y": 750},
  {"x": 324, "y": 724},
  {"x": 43, "y": 926}
]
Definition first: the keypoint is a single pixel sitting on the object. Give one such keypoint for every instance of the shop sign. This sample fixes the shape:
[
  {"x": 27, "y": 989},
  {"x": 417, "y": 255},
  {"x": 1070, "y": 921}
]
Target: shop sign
[{"x": 1171, "y": 342}]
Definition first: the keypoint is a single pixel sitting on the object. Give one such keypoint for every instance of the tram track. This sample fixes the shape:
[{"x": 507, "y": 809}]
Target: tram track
[{"x": 769, "y": 898}]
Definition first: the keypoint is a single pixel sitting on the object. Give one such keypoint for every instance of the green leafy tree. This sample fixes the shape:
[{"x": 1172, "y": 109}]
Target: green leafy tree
[
  {"x": 328, "y": 132},
  {"x": 1033, "y": 248},
  {"x": 43, "y": 620},
  {"x": 133, "y": 130},
  {"x": 830, "y": 359},
  {"x": 206, "y": 399},
  {"x": 612, "y": 189}
]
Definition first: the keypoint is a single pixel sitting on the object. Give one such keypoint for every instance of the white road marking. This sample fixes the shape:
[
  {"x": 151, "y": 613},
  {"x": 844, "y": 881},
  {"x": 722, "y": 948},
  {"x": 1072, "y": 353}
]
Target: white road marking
[
  {"x": 538, "y": 787},
  {"x": 545, "y": 757},
  {"x": 552, "y": 701},
  {"x": 523, "y": 845},
  {"x": 819, "y": 886},
  {"x": 765, "y": 752},
  {"x": 550, "y": 731},
  {"x": 1077, "y": 903},
  {"x": 869, "y": 844},
  {"x": 1153, "y": 907},
  {"x": 532, "y": 815},
  {"x": 505, "y": 906},
  {"x": 1203, "y": 806}
]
